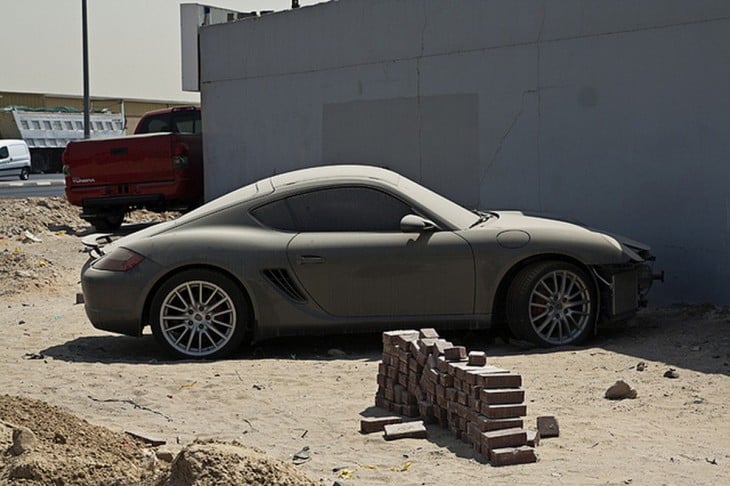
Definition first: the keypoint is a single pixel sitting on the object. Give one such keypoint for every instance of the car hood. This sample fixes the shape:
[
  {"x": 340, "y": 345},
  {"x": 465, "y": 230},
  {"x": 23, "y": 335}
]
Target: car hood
[{"x": 541, "y": 221}]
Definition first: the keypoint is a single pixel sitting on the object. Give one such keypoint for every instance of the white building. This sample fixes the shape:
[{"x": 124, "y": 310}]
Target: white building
[{"x": 613, "y": 113}]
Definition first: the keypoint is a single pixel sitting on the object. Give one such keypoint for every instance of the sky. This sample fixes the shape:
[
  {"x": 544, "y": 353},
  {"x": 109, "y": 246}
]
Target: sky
[{"x": 134, "y": 46}]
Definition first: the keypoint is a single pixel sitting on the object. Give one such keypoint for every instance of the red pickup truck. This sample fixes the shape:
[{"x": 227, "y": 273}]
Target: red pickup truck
[{"x": 159, "y": 168}]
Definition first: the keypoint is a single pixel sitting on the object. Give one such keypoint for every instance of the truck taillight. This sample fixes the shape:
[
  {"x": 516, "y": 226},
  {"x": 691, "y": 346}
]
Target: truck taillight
[
  {"x": 66, "y": 170},
  {"x": 180, "y": 156}
]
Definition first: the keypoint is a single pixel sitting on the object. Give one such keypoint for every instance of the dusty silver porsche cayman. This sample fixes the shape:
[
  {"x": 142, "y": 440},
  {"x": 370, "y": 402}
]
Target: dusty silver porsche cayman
[{"x": 355, "y": 248}]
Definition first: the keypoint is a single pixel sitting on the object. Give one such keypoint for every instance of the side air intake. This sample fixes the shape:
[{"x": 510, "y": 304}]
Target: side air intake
[{"x": 283, "y": 281}]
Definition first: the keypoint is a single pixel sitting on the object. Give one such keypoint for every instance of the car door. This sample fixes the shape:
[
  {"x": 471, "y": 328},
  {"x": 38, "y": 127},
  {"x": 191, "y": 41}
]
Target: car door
[{"x": 351, "y": 257}]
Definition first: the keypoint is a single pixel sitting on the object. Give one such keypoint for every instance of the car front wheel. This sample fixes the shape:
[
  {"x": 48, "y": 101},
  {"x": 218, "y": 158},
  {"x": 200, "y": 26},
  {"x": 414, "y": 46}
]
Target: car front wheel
[
  {"x": 199, "y": 314},
  {"x": 552, "y": 304}
]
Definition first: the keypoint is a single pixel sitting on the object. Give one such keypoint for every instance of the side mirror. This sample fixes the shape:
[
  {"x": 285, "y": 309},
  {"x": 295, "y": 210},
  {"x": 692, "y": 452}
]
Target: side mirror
[{"x": 416, "y": 224}]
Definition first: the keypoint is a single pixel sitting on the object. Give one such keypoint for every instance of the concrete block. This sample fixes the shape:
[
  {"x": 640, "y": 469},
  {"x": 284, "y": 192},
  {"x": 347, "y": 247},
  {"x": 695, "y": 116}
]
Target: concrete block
[
  {"x": 410, "y": 430},
  {"x": 368, "y": 425},
  {"x": 548, "y": 426},
  {"x": 512, "y": 455}
]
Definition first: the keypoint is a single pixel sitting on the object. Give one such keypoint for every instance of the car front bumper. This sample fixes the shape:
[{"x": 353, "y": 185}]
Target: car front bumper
[{"x": 624, "y": 288}]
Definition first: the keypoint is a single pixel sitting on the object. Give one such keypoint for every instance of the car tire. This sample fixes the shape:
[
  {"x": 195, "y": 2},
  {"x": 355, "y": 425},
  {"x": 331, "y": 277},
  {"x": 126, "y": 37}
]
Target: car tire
[
  {"x": 24, "y": 174},
  {"x": 552, "y": 304},
  {"x": 199, "y": 314}
]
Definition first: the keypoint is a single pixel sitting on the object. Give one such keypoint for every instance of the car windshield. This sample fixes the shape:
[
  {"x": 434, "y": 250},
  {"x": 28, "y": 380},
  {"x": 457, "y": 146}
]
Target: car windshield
[{"x": 455, "y": 215}]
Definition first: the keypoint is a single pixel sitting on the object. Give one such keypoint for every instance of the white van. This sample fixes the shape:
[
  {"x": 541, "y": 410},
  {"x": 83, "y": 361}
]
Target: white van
[{"x": 14, "y": 159}]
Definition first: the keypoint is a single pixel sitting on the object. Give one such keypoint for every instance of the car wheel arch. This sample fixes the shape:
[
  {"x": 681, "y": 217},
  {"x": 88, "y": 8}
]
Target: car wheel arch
[
  {"x": 167, "y": 276},
  {"x": 499, "y": 300}
]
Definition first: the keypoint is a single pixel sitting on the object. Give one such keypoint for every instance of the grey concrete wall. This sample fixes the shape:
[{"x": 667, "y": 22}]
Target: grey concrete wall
[{"x": 616, "y": 113}]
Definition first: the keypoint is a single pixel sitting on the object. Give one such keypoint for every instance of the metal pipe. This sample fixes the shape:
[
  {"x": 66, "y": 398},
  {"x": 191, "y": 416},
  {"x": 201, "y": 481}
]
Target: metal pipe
[{"x": 85, "y": 48}]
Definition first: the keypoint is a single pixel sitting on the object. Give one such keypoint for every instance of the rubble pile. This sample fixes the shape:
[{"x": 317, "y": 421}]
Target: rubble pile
[
  {"x": 423, "y": 375},
  {"x": 43, "y": 444}
]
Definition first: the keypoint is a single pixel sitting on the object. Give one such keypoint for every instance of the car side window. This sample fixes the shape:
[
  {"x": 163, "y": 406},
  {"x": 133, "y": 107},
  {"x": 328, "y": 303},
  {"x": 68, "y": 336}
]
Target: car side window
[
  {"x": 4, "y": 154},
  {"x": 336, "y": 209}
]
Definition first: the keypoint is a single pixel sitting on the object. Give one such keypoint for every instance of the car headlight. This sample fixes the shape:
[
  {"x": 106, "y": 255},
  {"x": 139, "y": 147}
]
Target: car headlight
[{"x": 119, "y": 260}]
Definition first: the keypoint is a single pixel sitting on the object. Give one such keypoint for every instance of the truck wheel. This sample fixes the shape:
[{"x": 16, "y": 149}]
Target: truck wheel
[
  {"x": 24, "y": 174},
  {"x": 109, "y": 222}
]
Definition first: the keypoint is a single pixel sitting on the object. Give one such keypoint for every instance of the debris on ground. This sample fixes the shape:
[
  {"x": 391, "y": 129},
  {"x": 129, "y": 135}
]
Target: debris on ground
[
  {"x": 619, "y": 391},
  {"x": 28, "y": 225},
  {"x": 671, "y": 373}
]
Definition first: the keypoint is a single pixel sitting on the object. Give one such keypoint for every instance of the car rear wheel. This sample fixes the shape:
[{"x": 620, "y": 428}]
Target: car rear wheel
[
  {"x": 199, "y": 314},
  {"x": 24, "y": 173},
  {"x": 552, "y": 304}
]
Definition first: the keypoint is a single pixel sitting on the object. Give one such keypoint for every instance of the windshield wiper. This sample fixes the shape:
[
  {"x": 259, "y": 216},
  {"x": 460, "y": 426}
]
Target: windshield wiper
[{"x": 482, "y": 217}]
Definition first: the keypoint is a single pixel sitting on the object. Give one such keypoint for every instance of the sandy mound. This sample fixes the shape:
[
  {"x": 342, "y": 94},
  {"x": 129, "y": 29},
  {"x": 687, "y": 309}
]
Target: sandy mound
[
  {"x": 63, "y": 449},
  {"x": 211, "y": 462},
  {"x": 43, "y": 444}
]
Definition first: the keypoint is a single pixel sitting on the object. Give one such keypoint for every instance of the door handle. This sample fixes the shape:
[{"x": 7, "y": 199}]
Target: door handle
[{"x": 304, "y": 259}]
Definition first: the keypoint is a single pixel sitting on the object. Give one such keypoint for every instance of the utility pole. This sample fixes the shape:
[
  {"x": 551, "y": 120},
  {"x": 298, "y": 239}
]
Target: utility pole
[{"x": 85, "y": 48}]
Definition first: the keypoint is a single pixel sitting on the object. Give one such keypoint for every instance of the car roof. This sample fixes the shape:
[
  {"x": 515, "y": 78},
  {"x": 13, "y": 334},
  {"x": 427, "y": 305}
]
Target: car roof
[{"x": 335, "y": 173}]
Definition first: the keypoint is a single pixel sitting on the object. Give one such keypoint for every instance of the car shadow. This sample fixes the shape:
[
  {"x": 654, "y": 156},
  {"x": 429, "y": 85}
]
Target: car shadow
[
  {"x": 145, "y": 350},
  {"x": 682, "y": 337}
]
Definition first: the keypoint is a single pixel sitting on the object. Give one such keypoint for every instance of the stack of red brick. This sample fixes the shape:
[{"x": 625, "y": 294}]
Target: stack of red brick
[{"x": 422, "y": 375}]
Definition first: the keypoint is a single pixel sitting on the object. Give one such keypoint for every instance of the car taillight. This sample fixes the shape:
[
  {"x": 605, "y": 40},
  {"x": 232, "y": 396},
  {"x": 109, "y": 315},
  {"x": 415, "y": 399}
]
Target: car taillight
[
  {"x": 119, "y": 260},
  {"x": 179, "y": 156}
]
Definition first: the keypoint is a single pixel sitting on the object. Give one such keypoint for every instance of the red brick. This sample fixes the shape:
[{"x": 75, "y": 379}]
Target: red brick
[
  {"x": 548, "y": 426},
  {"x": 486, "y": 424},
  {"x": 497, "y": 439},
  {"x": 477, "y": 358},
  {"x": 533, "y": 438},
  {"x": 440, "y": 345},
  {"x": 368, "y": 425},
  {"x": 500, "y": 380},
  {"x": 451, "y": 393},
  {"x": 512, "y": 455},
  {"x": 462, "y": 398},
  {"x": 497, "y": 396},
  {"x": 428, "y": 333},
  {"x": 427, "y": 344},
  {"x": 403, "y": 367},
  {"x": 446, "y": 380},
  {"x": 414, "y": 348},
  {"x": 504, "y": 411},
  {"x": 391, "y": 372},
  {"x": 410, "y": 410},
  {"x": 411, "y": 430},
  {"x": 455, "y": 353},
  {"x": 412, "y": 377}
]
